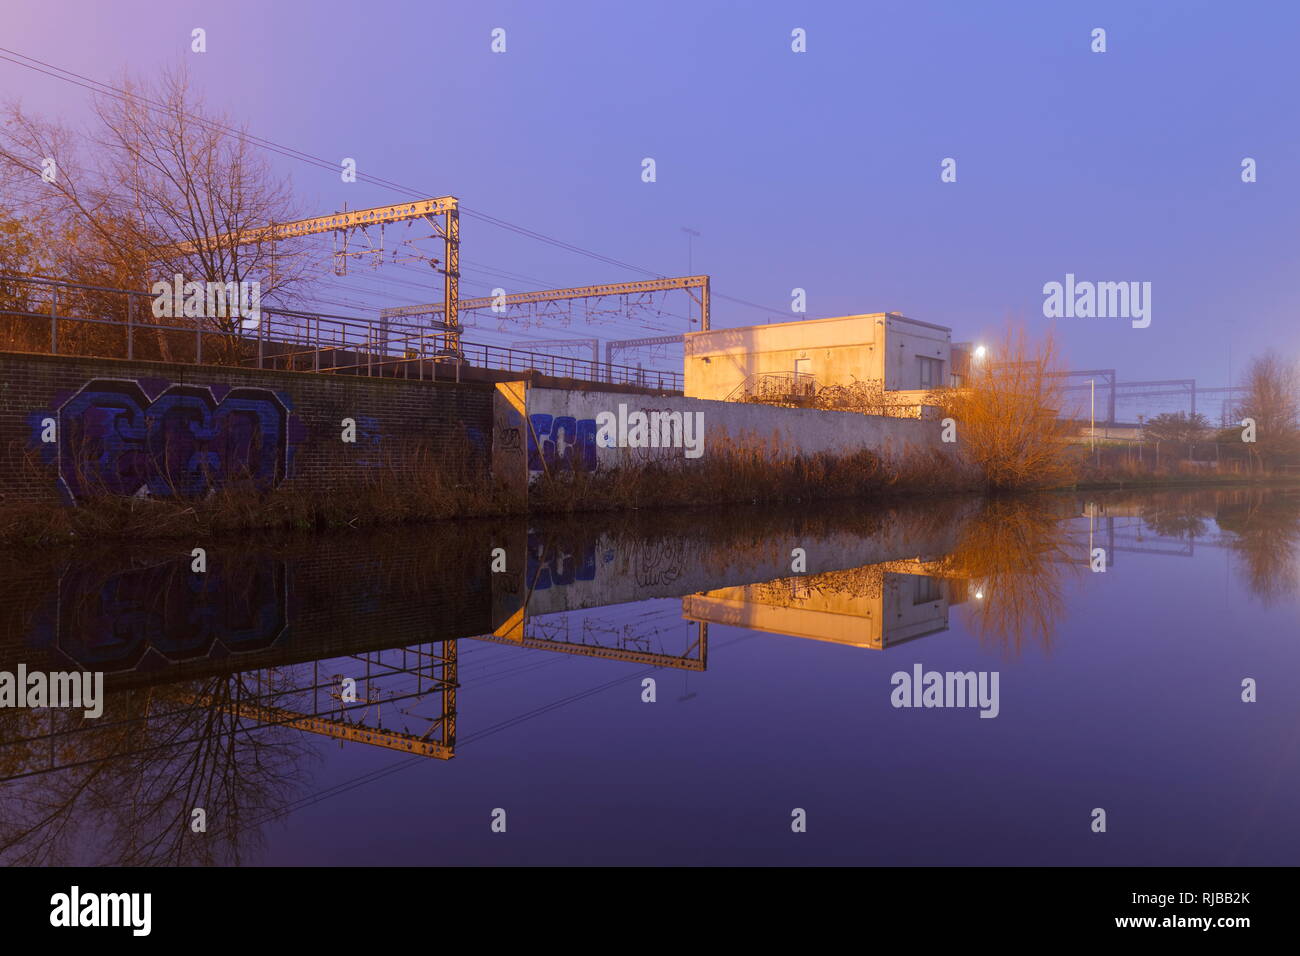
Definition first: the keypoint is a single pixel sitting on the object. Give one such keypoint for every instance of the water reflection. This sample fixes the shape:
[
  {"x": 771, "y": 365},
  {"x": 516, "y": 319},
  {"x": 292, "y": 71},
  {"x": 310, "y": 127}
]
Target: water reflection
[{"x": 223, "y": 685}]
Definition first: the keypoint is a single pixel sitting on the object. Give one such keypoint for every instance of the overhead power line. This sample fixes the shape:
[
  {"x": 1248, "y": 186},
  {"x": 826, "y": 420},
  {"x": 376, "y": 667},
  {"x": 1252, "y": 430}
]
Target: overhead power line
[{"x": 106, "y": 89}]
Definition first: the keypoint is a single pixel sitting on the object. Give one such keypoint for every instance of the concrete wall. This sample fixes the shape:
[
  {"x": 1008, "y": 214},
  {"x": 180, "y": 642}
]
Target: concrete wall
[
  {"x": 879, "y": 347},
  {"x": 563, "y": 429},
  {"x": 122, "y": 426}
]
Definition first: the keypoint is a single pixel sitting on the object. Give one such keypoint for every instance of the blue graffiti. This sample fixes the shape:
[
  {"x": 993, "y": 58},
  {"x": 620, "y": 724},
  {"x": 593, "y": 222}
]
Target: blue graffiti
[
  {"x": 561, "y": 443},
  {"x": 133, "y": 437}
]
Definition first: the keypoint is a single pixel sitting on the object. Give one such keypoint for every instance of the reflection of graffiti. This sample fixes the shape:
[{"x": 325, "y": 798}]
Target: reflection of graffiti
[
  {"x": 553, "y": 564},
  {"x": 145, "y": 617},
  {"x": 561, "y": 443},
  {"x": 659, "y": 563},
  {"x": 149, "y": 436}
]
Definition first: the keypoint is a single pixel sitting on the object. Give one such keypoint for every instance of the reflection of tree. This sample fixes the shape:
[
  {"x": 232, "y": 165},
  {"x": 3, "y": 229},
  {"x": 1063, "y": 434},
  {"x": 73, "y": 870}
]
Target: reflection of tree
[
  {"x": 1181, "y": 517},
  {"x": 1265, "y": 528},
  {"x": 1013, "y": 551},
  {"x": 137, "y": 773}
]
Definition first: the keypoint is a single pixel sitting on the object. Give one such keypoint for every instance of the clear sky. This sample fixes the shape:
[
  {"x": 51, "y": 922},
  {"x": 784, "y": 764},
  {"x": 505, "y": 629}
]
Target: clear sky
[{"x": 818, "y": 170}]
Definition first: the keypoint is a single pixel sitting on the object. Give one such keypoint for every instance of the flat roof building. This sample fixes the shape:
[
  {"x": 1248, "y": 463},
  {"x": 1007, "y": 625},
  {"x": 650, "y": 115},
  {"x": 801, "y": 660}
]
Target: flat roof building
[{"x": 888, "y": 350}]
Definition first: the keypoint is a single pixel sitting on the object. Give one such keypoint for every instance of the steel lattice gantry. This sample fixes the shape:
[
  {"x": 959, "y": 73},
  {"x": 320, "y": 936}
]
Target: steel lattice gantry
[
  {"x": 615, "y": 346},
  {"x": 700, "y": 282},
  {"x": 443, "y": 213}
]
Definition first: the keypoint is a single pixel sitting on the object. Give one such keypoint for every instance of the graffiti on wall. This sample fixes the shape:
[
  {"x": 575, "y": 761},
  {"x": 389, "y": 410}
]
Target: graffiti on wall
[
  {"x": 561, "y": 443},
  {"x": 152, "y": 437}
]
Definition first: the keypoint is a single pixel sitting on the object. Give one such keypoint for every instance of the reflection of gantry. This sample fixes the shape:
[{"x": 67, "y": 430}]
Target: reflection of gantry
[
  {"x": 385, "y": 681},
  {"x": 551, "y": 632},
  {"x": 528, "y": 308},
  {"x": 396, "y": 679},
  {"x": 443, "y": 213}
]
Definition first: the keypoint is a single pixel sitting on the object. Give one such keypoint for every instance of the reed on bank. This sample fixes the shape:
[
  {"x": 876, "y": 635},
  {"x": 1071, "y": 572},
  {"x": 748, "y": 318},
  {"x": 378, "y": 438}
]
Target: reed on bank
[{"x": 419, "y": 482}]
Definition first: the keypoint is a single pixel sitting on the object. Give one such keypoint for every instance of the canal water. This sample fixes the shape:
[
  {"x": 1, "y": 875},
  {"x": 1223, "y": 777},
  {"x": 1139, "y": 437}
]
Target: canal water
[{"x": 1108, "y": 678}]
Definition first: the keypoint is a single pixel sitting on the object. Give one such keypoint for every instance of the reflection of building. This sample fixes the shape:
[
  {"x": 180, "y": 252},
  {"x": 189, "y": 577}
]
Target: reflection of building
[
  {"x": 872, "y": 606},
  {"x": 897, "y": 353}
]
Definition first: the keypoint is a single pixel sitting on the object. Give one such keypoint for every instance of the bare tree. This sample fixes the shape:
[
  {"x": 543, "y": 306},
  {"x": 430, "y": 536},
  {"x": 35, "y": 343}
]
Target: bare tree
[
  {"x": 1177, "y": 427},
  {"x": 1008, "y": 415},
  {"x": 1272, "y": 389},
  {"x": 23, "y": 251},
  {"x": 159, "y": 185}
]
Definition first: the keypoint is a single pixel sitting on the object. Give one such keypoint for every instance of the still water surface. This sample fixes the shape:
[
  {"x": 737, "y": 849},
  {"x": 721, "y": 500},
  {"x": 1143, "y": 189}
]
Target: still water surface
[{"x": 524, "y": 690}]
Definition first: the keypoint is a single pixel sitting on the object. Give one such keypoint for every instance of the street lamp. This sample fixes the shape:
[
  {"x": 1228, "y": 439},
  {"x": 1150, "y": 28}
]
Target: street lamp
[{"x": 980, "y": 352}]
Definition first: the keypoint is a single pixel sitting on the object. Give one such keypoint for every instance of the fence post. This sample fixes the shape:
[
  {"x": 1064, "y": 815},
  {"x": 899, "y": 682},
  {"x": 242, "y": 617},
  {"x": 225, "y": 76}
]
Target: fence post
[
  {"x": 54, "y": 322},
  {"x": 198, "y": 343},
  {"x": 130, "y": 326},
  {"x": 261, "y": 337},
  {"x": 370, "y": 334}
]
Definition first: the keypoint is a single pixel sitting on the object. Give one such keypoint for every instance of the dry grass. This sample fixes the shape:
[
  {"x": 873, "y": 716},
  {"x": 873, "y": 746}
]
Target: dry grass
[
  {"x": 413, "y": 483},
  {"x": 750, "y": 472}
]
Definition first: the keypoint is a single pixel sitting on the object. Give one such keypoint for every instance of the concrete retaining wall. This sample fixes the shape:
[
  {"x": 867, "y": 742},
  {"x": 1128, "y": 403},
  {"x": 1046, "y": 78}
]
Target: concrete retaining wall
[
  {"x": 71, "y": 427},
  {"x": 563, "y": 426}
]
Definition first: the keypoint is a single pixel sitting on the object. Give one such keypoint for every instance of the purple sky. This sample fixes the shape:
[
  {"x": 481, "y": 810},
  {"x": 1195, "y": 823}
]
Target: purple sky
[{"x": 818, "y": 170}]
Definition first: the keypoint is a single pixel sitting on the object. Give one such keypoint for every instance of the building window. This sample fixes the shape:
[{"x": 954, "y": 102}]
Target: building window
[
  {"x": 931, "y": 372},
  {"x": 927, "y": 591}
]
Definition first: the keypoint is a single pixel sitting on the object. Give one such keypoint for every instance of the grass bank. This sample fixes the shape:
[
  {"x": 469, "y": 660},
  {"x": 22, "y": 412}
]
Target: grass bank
[
  {"x": 415, "y": 487},
  {"x": 418, "y": 488}
]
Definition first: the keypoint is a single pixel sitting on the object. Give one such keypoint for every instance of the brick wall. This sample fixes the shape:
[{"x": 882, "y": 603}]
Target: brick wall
[{"x": 167, "y": 426}]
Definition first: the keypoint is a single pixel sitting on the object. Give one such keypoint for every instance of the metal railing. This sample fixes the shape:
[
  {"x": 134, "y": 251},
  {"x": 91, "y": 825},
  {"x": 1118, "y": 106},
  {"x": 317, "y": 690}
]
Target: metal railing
[
  {"x": 774, "y": 387},
  {"x": 125, "y": 327}
]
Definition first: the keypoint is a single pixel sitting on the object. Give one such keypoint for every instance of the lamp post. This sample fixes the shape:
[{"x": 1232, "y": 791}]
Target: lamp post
[{"x": 1092, "y": 430}]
